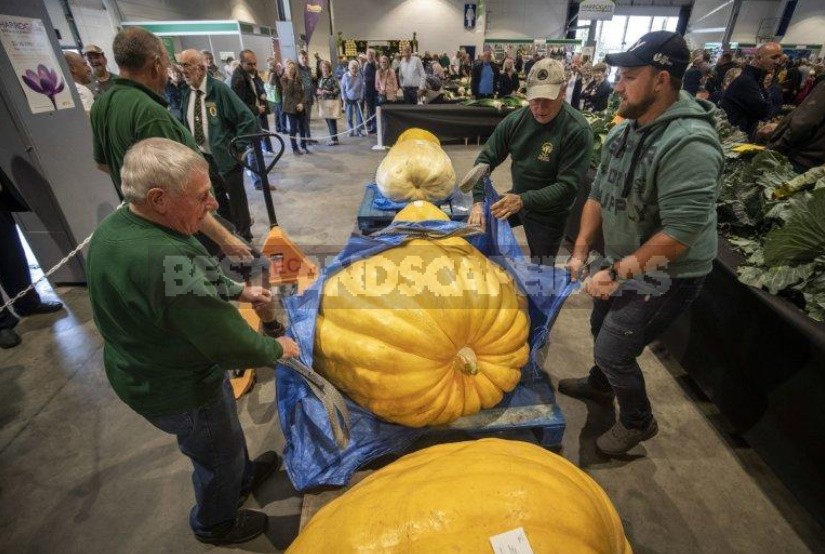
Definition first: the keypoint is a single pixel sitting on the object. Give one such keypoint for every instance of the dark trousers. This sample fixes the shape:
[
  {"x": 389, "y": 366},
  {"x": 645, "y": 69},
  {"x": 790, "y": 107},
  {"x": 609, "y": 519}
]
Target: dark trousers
[
  {"x": 238, "y": 202},
  {"x": 370, "y": 100},
  {"x": 14, "y": 270},
  {"x": 410, "y": 95},
  {"x": 212, "y": 438},
  {"x": 231, "y": 196},
  {"x": 296, "y": 126},
  {"x": 544, "y": 233},
  {"x": 332, "y": 127},
  {"x": 306, "y": 115},
  {"x": 266, "y": 143},
  {"x": 622, "y": 326}
]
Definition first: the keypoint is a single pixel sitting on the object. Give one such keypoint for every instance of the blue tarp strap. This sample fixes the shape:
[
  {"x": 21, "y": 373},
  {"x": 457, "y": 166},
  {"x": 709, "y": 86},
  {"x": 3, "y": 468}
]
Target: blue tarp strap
[{"x": 333, "y": 402}]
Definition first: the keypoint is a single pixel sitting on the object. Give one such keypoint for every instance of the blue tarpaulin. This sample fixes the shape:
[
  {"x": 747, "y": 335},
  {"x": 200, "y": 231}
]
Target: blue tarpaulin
[{"x": 312, "y": 457}]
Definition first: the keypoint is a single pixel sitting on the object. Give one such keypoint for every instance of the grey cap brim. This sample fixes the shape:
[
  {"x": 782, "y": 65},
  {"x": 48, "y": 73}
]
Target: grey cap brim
[{"x": 550, "y": 92}]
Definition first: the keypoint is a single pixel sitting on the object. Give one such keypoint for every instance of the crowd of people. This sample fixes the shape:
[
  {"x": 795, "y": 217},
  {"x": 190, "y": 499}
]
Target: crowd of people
[{"x": 162, "y": 132}]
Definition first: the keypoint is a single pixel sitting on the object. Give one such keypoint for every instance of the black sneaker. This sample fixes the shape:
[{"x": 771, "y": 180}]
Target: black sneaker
[
  {"x": 619, "y": 439},
  {"x": 44, "y": 307},
  {"x": 248, "y": 525},
  {"x": 581, "y": 388},
  {"x": 9, "y": 338},
  {"x": 264, "y": 465}
]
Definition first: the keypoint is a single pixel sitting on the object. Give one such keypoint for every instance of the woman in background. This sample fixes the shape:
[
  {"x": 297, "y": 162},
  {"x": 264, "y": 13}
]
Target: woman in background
[
  {"x": 292, "y": 90},
  {"x": 272, "y": 86},
  {"x": 174, "y": 89},
  {"x": 386, "y": 83},
  {"x": 508, "y": 79},
  {"x": 328, "y": 92}
]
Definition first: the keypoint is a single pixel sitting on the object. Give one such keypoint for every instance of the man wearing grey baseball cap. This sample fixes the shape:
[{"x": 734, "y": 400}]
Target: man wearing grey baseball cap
[
  {"x": 654, "y": 202},
  {"x": 550, "y": 144}
]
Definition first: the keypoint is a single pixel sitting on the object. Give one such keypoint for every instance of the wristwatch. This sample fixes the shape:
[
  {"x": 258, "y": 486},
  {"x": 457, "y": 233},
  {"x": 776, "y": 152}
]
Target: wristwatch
[{"x": 614, "y": 275}]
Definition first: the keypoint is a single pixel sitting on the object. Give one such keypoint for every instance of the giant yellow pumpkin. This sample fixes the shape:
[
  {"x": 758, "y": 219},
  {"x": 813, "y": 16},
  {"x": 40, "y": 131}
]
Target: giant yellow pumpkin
[
  {"x": 416, "y": 133},
  {"x": 452, "y": 498},
  {"x": 416, "y": 169},
  {"x": 423, "y": 333}
]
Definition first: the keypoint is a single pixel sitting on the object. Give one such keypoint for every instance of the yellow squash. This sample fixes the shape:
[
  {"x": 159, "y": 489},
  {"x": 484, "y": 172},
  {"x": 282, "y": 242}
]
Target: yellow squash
[
  {"x": 423, "y": 333},
  {"x": 416, "y": 133},
  {"x": 452, "y": 498},
  {"x": 416, "y": 169}
]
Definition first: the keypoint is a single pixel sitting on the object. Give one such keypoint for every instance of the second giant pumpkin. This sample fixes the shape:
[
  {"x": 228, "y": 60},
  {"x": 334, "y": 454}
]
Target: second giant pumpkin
[{"x": 423, "y": 333}]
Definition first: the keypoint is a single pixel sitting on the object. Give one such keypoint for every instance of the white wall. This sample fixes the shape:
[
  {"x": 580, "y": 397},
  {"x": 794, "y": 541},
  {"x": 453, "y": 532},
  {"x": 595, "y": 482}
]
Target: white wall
[
  {"x": 94, "y": 23},
  {"x": 439, "y": 23},
  {"x": 807, "y": 24},
  {"x": 261, "y": 12},
  {"x": 751, "y": 16},
  {"x": 95, "y": 26},
  {"x": 526, "y": 19}
]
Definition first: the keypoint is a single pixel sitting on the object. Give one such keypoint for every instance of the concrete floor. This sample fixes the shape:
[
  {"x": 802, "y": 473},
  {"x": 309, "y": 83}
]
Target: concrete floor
[{"x": 82, "y": 473}]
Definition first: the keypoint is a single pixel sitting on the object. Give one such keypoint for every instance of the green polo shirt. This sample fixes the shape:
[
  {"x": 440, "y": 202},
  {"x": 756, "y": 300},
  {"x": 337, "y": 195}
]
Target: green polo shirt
[
  {"x": 549, "y": 160},
  {"x": 128, "y": 113},
  {"x": 160, "y": 302}
]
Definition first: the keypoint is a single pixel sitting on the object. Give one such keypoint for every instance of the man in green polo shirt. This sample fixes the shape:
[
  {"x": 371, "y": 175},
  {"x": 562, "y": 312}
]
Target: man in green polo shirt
[
  {"x": 550, "y": 144},
  {"x": 134, "y": 109},
  {"x": 161, "y": 304}
]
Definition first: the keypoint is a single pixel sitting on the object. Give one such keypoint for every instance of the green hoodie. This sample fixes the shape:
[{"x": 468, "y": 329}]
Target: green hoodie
[{"x": 663, "y": 177}]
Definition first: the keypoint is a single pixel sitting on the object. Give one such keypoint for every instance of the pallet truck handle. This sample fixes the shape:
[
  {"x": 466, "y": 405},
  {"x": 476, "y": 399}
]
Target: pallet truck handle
[{"x": 261, "y": 168}]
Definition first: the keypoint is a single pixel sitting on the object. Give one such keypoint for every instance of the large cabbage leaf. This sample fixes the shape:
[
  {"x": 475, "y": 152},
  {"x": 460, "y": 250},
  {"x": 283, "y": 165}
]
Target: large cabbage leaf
[{"x": 802, "y": 238}]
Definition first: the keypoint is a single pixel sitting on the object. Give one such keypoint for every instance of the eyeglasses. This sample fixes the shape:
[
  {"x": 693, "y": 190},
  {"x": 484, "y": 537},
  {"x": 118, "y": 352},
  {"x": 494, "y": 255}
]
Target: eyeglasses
[{"x": 190, "y": 65}]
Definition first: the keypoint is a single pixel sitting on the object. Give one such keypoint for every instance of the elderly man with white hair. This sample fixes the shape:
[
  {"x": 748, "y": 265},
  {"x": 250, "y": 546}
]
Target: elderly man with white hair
[
  {"x": 161, "y": 304},
  {"x": 215, "y": 115}
]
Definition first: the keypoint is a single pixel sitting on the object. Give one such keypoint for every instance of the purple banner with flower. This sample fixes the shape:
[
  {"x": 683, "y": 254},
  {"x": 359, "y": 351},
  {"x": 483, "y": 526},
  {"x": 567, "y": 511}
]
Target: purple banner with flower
[
  {"x": 38, "y": 69},
  {"x": 312, "y": 15}
]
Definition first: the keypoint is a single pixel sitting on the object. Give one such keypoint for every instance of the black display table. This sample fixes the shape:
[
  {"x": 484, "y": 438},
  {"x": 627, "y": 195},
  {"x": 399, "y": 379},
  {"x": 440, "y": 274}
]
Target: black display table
[
  {"x": 449, "y": 122},
  {"x": 762, "y": 362}
]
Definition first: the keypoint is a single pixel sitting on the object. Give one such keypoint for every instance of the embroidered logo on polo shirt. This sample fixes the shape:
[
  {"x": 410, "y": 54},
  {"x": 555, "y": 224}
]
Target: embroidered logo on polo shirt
[{"x": 546, "y": 150}]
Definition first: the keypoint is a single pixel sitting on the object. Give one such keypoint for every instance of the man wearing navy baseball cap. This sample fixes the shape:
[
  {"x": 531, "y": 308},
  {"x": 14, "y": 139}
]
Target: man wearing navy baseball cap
[{"x": 654, "y": 201}]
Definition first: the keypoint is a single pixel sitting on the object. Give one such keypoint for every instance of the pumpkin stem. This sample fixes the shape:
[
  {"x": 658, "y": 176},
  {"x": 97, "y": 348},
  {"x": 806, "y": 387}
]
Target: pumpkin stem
[{"x": 467, "y": 361}]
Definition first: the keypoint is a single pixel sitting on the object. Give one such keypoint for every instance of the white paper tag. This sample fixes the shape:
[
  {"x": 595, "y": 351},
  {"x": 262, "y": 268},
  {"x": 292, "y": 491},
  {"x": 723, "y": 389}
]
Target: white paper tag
[{"x": 511, "y": 542}]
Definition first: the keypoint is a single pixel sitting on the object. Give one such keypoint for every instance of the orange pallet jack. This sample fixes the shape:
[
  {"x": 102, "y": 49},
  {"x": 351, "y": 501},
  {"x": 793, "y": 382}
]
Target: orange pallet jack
[{"x": 290, "y": 269}]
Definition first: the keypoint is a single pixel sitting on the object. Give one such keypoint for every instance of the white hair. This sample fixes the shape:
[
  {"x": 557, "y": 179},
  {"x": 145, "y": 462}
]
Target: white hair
[
  {"x": 159, "y": 163},
  {"x": 354, "y": 64}
]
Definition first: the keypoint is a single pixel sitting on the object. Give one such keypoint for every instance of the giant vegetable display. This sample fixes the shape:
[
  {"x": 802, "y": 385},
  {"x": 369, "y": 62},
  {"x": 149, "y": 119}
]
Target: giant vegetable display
[
  {"x": 425, "y": 332},
  {"x": 416, "y": 169},
  {"x": 452, "y": 498}
]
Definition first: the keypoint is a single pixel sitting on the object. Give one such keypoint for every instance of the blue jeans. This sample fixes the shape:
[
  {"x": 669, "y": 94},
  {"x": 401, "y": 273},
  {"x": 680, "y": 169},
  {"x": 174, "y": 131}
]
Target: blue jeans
[
  {"x": 211, "y": 436},
  {"x": 622, "y": 326},
  {"x": 353, "y": 111},
  {"x": 277, "y": 112},
  {"x": 250, "y": 160},
  {"x": 332, "y": 127}
]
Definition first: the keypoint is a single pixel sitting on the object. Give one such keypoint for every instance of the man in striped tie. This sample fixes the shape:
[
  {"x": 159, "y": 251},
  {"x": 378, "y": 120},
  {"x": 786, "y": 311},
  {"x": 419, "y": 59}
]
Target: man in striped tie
[{"x": 216, "y": 115}]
